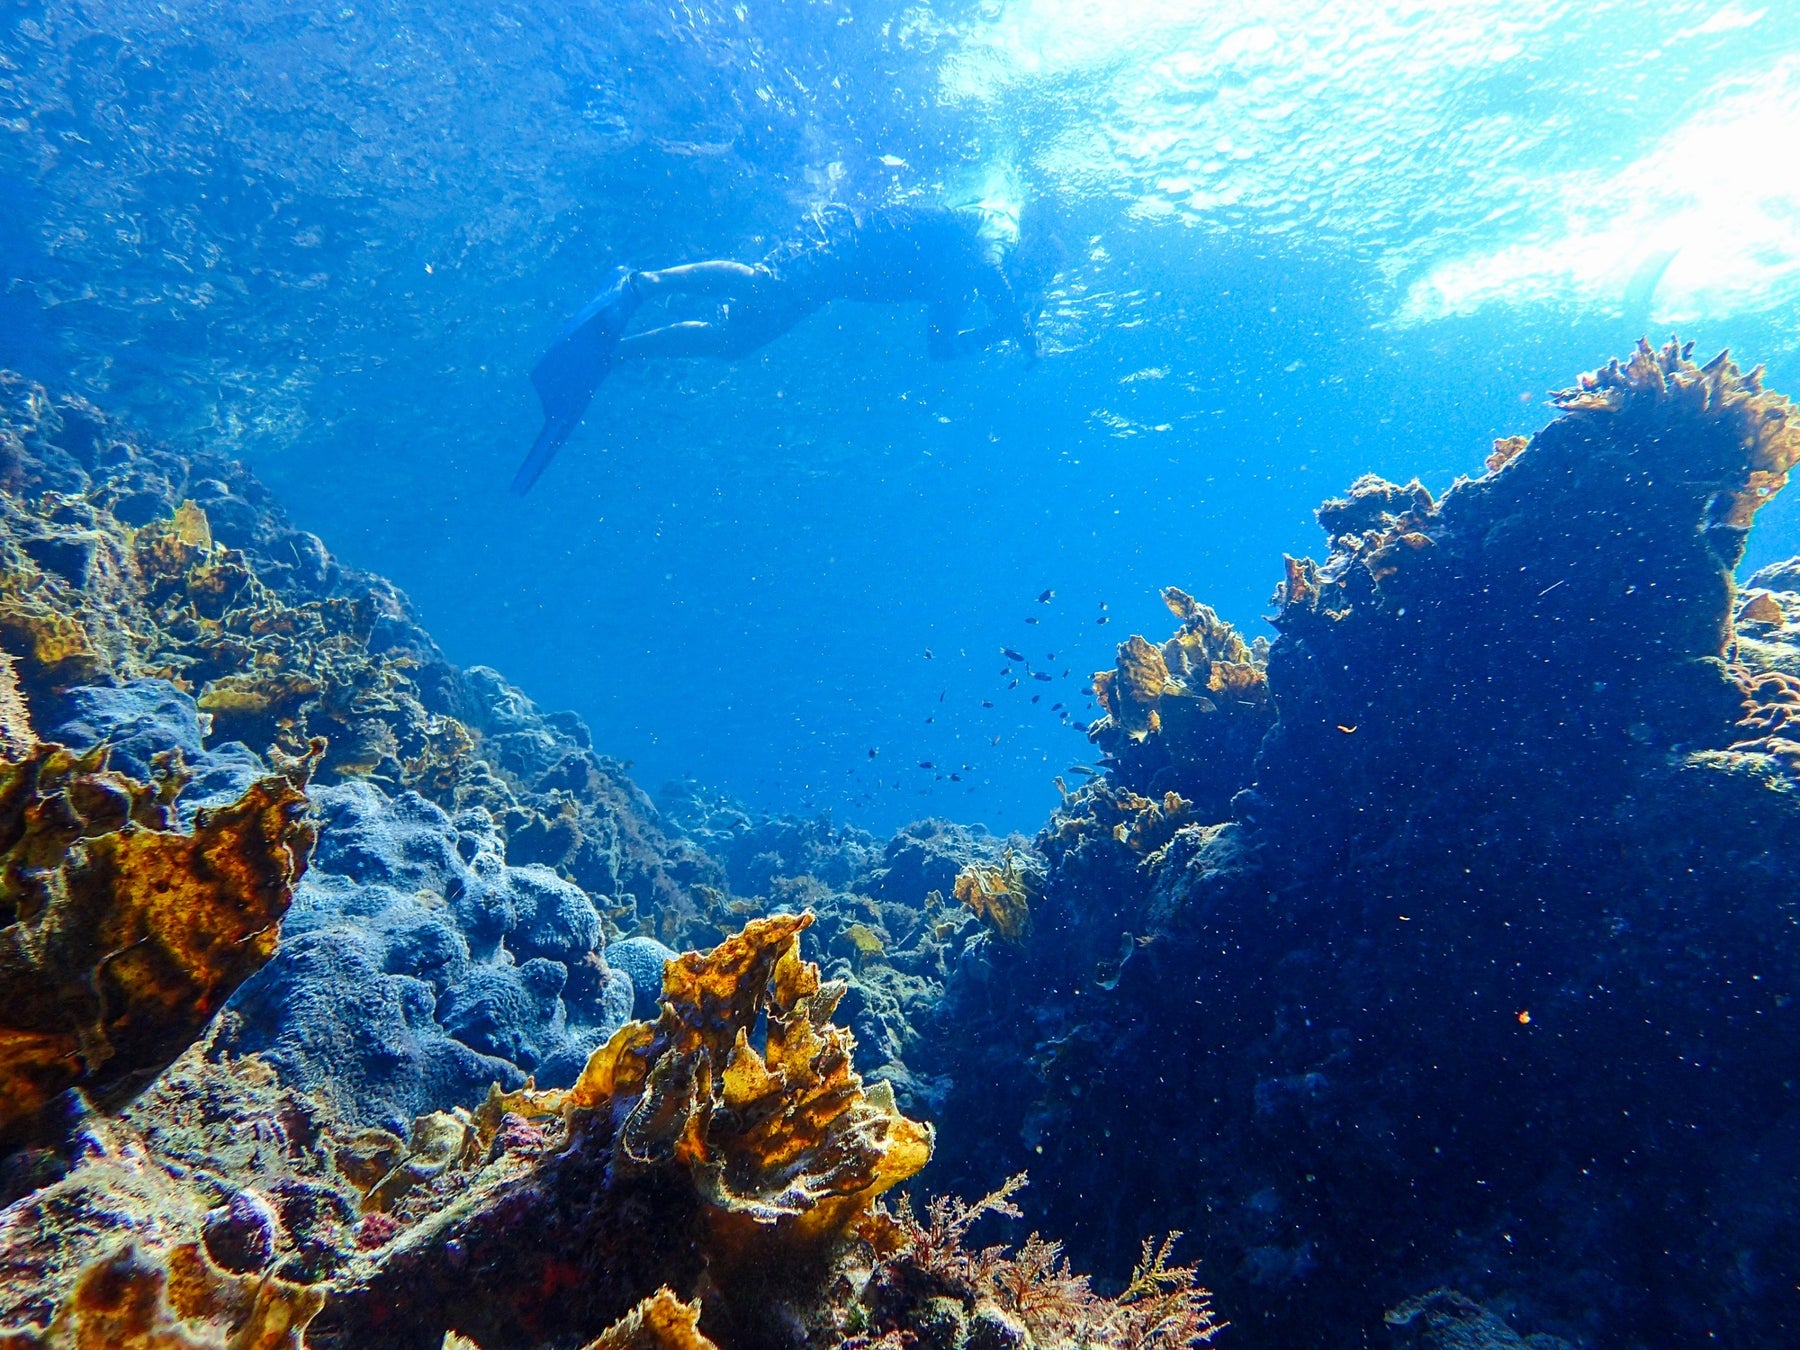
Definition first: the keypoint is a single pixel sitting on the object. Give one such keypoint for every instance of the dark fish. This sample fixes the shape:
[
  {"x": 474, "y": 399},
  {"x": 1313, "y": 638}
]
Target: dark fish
[
  {"x": 1042, "y": 675},
  {"x": 1031, "y": 620},
  {"x": 873, "y": 752},
  {"x": 1101, "y": 619},
  {"x": 930, "y": 720},
  {"x": 956, "y": 778},
  {"x": 1036, "y": 697},
  {"x": 995, "y": 741},
  {"x": 1049, "y": 656},
  {"x": 987, "y": 703},
  {"x": 928, "y": 655},
  {"x": 1055, "y": 706},
  {"x": 1103, "y": 604},
  {"x": 1065, "y": 673},
  {"x": 941, "y": 695},
  {"x": 926, "y": 764},
  {"x": 1045, "y": 597},
  {"x": 1011, "y": 655},
  {"x": 1013, "y": 685}
]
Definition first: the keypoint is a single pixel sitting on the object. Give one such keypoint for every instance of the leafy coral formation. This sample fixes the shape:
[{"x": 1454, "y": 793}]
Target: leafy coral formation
[
  {"x": 121, "y": 935},
  {"x": 757, "y": 1157}
]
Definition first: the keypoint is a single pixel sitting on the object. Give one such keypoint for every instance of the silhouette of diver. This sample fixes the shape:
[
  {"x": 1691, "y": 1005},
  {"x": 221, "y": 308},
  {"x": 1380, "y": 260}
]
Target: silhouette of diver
[{"x": 951, "y": 258}]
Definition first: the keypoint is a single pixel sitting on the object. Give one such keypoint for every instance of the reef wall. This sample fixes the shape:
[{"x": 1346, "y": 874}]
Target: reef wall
[
  {"x": 1486, "y": 977},
  {"x": 336, "y": 1003},
  {"x": 1446, "y": 943}
]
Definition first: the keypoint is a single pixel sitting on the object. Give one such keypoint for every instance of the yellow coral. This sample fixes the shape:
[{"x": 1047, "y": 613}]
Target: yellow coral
[
  {"x": 140, "y": 1298},
  {"x": 999, "y": 896},
  {"x": 123, "y": 937},
  {"x": 660, "y": 1322},
  {"x": 1767, "y": 423}
]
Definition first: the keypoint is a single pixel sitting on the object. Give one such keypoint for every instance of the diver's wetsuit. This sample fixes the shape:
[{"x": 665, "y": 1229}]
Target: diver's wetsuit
[{"x": 948, "y": 258}]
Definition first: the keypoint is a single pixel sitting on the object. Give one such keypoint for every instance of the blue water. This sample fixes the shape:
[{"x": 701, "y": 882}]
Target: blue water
[{"x": 1325, "y": 240}]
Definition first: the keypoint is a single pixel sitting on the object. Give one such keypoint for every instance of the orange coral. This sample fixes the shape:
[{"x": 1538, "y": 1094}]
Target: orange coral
[
  {"x": 1506, "y": 449},
  {"x": 1142, "y": 824},
  {"x": 660, "y": 1322},
  {"x": 736, "y": 1119},
  {"x": 1150, "y": 684},
  {"x": 122, "y": 935},
  {"x": 1767, "y": 423},
  {"x": 999, "y": 896},
  {"x": 177, "y": 1299}
]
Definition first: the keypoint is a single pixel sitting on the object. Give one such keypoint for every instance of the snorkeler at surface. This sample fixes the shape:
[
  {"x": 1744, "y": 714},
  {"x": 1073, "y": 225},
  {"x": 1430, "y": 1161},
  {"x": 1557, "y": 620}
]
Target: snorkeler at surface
[{"x": 958, "y": 261}]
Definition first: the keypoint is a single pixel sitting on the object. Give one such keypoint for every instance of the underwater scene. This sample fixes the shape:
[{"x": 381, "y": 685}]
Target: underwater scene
[{"x": 814, "y": 674}]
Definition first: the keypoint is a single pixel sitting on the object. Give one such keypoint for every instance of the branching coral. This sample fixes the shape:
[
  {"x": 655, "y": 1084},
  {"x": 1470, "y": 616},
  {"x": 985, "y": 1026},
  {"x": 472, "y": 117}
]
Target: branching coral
[
  {"x": 123, "y": 935},
  {"x": 925, "y": 1260}
]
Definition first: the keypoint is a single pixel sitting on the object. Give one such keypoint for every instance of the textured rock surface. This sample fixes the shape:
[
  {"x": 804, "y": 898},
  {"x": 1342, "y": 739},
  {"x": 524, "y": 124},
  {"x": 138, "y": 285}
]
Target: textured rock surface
[{"x": 1487, "y": 979}]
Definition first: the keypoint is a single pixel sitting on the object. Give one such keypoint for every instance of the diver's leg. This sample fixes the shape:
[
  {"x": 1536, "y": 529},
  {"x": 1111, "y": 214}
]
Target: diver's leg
[{"x": 702, "y": 278}]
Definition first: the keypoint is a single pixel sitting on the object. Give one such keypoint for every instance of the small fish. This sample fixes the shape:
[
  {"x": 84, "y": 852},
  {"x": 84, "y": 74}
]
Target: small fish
[
  {"x": 1006, "y": 670},
  {"x": 956, "y": 778},
  {"x": 873, "y": 752},
  {"x": 1102, "y": 619},
  {"x": 930, "y": 720},
  {"x": 1045, "y": 597},
  {"x": 1013, "y": 685},
  {"x": 1086, "y": 770},
  {"x": 1348, "y": 731},
  {"x": 1042, "y": 675},
  {"x": 967, "y": 767},
  {"x": 941, "y": 695},
  {"x": 1036, "y": 697},
  {"x": 928, "y": 655},
  {"x": 926, "y": 764},
  {"x": 995, "y": 741},
  {"x": 1011, "y": 655},
  {"x": 1031, "y": 620},
  {"x": 1049, "y": 656},
  {"x": 1055, "y": 706},
  {"x": 1065, "y": 673},
  {"x": 1103, "y": 604},
  {"x": 987, "y": 702}
]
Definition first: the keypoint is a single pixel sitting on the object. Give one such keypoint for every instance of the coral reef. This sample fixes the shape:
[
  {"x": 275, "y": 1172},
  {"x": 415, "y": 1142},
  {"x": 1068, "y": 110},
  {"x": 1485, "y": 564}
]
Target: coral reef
[
  {"x": 121, "y": 560},
  {"x": 728, "y": 1145},
  {"x": 930, "y": 1283},
  {"x": 120, "y": 934},
  {"x": 1483, "y": 977}
]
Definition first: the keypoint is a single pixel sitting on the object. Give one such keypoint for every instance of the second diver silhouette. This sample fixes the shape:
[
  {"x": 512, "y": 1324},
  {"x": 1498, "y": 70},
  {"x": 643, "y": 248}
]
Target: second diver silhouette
[{"x": 953, "y": 259}]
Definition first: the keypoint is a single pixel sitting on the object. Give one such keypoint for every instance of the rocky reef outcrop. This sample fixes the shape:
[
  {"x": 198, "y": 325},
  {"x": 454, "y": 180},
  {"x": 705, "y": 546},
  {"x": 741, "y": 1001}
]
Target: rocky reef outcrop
[
  {"x": 311, "y": 1035},
  {"x": 1485, "y": 977}
]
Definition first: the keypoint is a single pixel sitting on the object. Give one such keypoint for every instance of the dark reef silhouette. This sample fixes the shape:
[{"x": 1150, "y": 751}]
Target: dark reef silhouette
[{"x": 1432, "y": 967}]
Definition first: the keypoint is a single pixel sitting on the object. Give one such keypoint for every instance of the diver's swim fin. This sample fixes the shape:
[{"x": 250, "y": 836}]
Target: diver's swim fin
[{"x": 567, "y": 375}]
